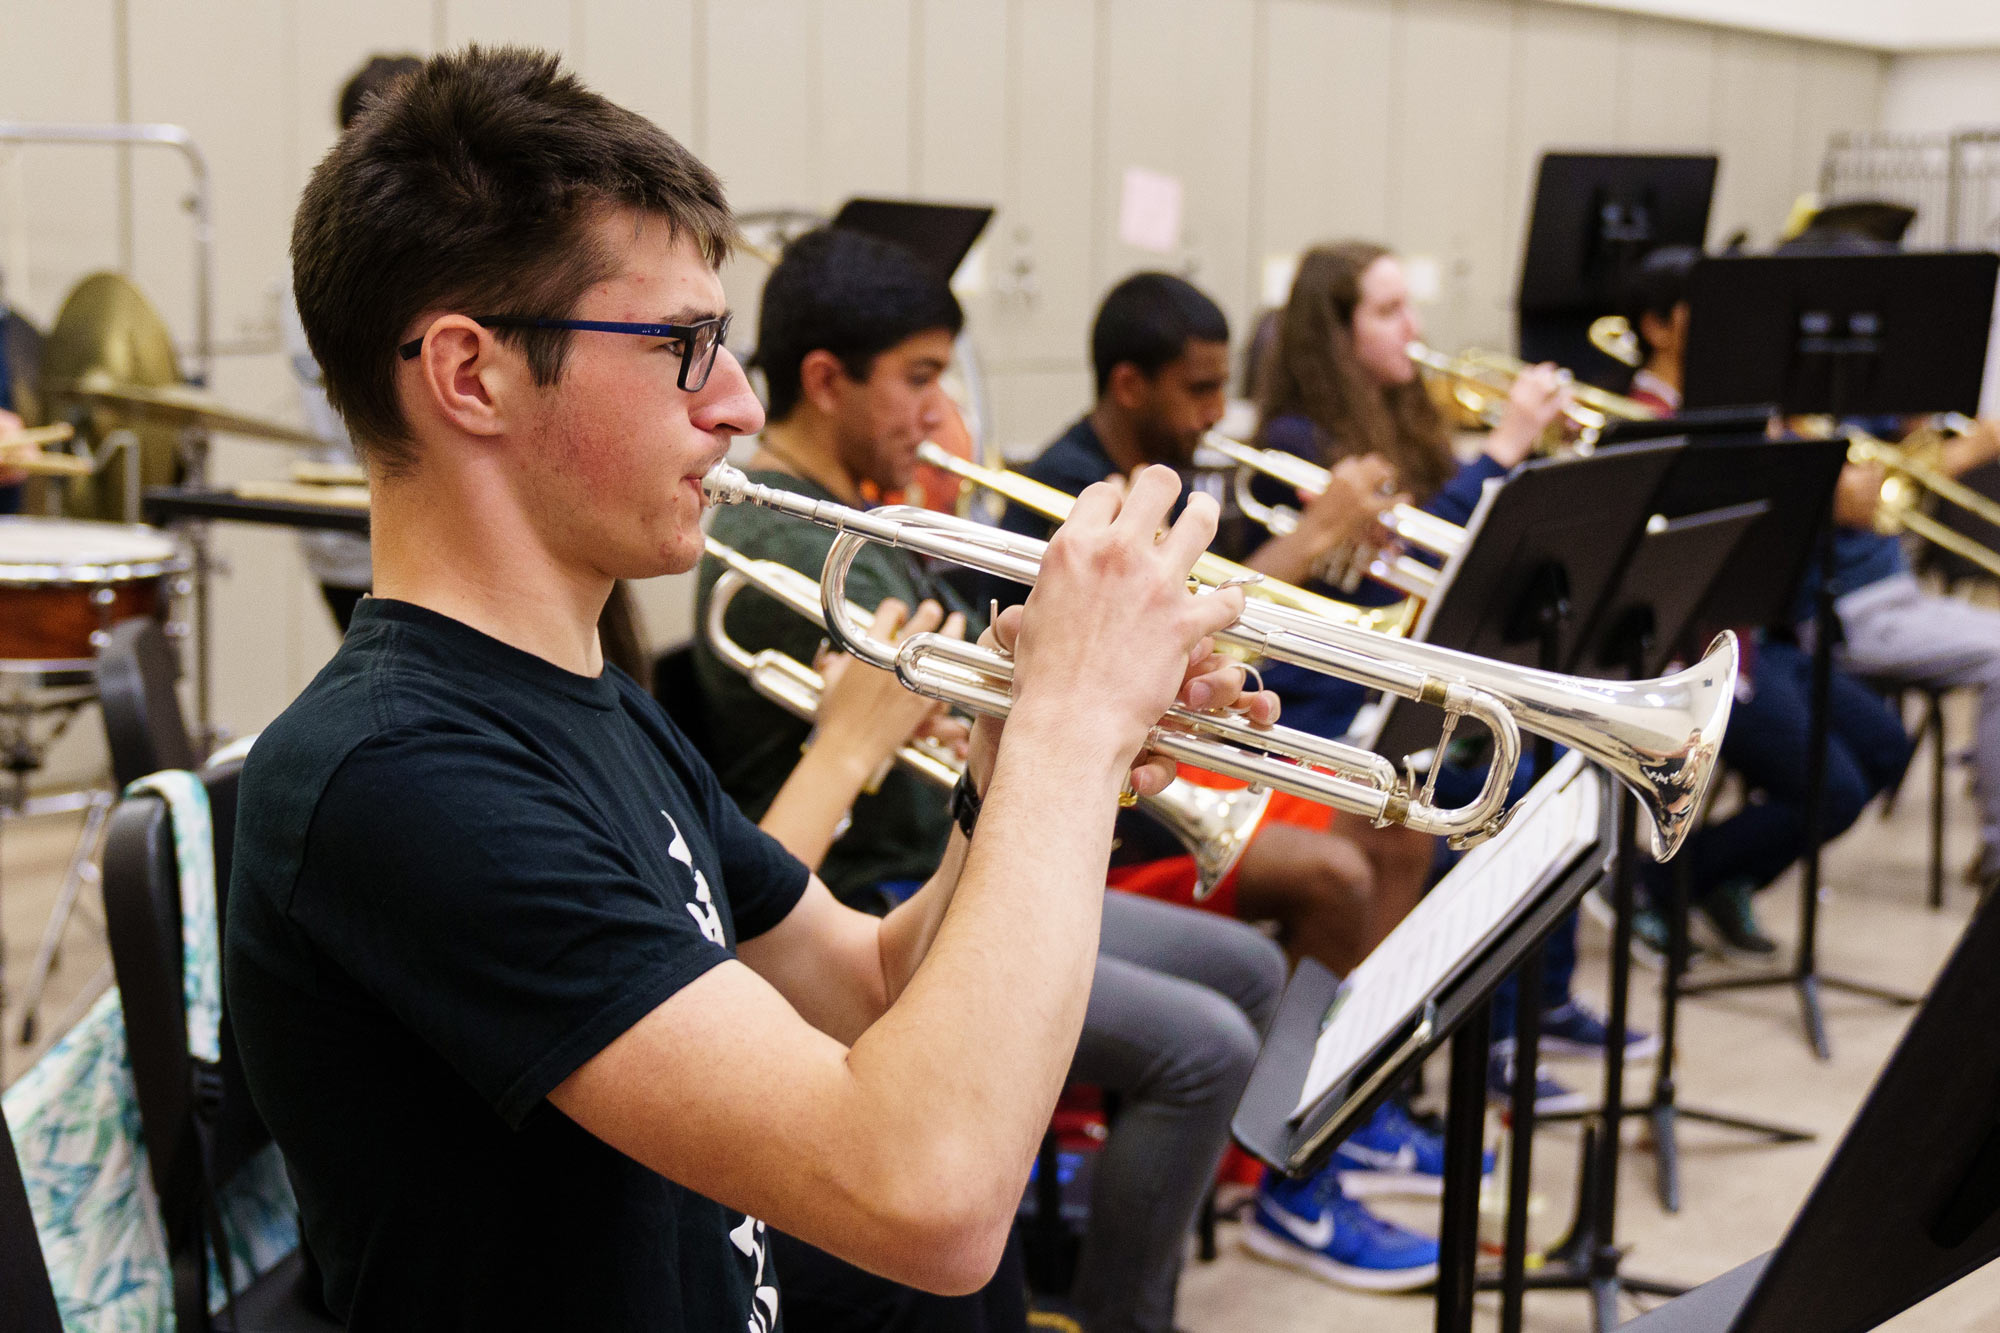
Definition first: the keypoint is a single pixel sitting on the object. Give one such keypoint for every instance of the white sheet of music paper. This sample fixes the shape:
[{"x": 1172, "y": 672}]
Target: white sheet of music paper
[{"x": 1556, "y": 820}]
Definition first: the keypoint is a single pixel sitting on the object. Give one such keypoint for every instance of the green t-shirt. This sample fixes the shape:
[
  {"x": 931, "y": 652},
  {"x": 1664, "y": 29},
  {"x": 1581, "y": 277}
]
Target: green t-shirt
[{"x": 898, "y": 831}]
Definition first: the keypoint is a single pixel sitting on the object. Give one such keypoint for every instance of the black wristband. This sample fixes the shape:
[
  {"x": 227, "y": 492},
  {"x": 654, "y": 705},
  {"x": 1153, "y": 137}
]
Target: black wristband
[{"x": 965, "y": 803}]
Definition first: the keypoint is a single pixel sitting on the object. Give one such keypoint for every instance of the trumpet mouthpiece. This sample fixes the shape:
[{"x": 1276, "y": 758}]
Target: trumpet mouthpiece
[{"x": 725, "y": 485}]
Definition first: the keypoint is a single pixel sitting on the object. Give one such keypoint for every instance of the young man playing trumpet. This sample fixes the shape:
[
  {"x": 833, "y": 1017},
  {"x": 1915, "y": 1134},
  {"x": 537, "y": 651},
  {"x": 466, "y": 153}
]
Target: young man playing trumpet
[
  {"x": 853, "y": 336},
  {"x": 541, "y": 1022}
]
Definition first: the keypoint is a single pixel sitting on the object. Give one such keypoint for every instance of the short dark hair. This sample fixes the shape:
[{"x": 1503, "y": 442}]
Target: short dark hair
[
  {"x": 370, "y": 82},
  {"x": 1655, "y": 286},
  {"x": 847, "y": 293},
  {"x": 472, "y": 184},
  {"x": 1148, "y": 320}
]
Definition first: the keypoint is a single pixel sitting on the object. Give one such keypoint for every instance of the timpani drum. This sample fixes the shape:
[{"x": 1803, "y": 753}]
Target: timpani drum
[{"x": 65, "y": 582}]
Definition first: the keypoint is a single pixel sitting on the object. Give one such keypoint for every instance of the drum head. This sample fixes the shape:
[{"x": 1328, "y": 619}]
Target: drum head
[{"x": 67, "y": 550}]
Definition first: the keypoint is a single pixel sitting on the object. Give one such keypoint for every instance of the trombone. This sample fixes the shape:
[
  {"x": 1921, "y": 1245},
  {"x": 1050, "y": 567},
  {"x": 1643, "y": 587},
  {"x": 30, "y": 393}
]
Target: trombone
[
  {"x": 1660, "y": 737},
  {"x": 1406, "y": 523},
  {"x": 1214, "y": 824},
  {"x": 1211, "y": 570},
  {"x": 1481, "y": 381}
]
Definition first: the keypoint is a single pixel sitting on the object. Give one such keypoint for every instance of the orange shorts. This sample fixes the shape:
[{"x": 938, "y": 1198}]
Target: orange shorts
[{"x": 1172, "y": 880}]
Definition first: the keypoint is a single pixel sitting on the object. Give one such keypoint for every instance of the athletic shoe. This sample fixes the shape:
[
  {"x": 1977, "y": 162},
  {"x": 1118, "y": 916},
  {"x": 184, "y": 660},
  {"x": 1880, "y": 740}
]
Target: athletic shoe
[
  {"x": 1551, "y": 1097},
  {"x": 1729, "y": 909},
  {"x": 1312, "y": 1226},
  {"x": 1393, "y": 1154},
  {"x": 1572, "y": 1029}
]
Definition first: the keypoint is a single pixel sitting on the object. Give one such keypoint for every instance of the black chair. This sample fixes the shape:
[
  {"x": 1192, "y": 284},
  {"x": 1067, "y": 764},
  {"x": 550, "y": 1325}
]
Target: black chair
[
  {"x": 143, "y": 724},
  {"x": 24, "y": 1278},
  {"x": 197, "y": 1119}
]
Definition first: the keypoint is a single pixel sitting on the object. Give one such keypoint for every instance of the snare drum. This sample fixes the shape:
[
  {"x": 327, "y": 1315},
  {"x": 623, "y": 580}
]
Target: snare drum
[{"x": 63, "y": 581}]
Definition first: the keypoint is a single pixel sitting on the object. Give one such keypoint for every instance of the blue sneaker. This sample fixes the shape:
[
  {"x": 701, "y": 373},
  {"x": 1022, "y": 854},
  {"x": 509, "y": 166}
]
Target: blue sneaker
[
  {"x": 1573, "y": 1029},
  {"x": 1393, "y": 1154},
  {"x": 1551, "y": 1097},
  {"x": 1310, "y": 1225}
]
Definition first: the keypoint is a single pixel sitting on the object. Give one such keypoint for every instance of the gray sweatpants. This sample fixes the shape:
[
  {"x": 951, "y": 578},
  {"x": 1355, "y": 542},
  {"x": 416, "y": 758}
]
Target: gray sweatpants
[
  {"x": 1178, "y": 1008},
  {"x": 1895, "y": 630}
]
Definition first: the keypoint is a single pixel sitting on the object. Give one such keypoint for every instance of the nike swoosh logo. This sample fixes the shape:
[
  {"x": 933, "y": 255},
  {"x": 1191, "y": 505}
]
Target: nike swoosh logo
[
  {"x": 1403, "y": 1159},
  {"x": 1314, "y": 1235}
]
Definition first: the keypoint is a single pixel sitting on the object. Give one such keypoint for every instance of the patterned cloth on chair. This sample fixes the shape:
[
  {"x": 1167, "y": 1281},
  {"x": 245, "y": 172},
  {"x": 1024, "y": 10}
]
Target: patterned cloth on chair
[{"x": 76, "y": 1128}]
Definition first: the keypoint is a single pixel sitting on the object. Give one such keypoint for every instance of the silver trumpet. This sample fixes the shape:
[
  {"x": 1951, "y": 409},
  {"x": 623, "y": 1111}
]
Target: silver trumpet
[
  {"x": 1406, "y": 523},
  {"x": 1660, "y": 737},
  {"x": 1214, "y": 824}
]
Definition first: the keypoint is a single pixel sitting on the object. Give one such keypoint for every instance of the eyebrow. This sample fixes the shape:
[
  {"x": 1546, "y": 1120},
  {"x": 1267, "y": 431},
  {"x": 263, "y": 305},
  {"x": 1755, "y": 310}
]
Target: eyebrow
[{"x": 695, "y": 314}]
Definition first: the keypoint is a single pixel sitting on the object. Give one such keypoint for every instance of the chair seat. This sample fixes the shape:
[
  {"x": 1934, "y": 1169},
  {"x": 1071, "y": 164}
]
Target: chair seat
[{"x": 278, "y": 1302}]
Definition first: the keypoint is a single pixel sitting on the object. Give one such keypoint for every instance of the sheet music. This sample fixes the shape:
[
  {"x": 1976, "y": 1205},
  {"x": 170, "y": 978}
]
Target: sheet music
[{"x": 1556, "y": 820}]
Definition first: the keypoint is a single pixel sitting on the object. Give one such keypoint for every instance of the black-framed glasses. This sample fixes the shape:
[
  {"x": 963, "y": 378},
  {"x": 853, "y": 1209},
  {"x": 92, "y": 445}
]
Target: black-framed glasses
[{"x": 700, "y": 342}]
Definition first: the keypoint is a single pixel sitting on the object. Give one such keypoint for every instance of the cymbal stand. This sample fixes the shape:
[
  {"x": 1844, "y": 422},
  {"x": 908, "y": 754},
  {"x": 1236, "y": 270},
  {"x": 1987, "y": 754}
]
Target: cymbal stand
[{"x": 22, "y": 705}]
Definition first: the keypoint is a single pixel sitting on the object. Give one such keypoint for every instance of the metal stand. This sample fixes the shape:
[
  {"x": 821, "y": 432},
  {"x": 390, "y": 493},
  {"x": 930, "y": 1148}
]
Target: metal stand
[{"x": 1464, "y": 1155}]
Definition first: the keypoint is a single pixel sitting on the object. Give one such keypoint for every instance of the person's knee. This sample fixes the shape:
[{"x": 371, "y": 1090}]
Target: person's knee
[{"x": 1213, "y": 1046}]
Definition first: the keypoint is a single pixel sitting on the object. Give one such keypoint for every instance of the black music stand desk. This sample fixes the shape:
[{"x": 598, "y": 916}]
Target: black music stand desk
[{"x": 1885, "y": 1226}]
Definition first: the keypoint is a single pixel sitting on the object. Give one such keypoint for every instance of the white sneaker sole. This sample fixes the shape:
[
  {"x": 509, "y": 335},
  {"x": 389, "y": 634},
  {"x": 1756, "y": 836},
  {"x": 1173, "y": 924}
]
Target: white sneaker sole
[
  {"x": 1290, "y": 1255},
  {"x": 1365, "y": 1183}
]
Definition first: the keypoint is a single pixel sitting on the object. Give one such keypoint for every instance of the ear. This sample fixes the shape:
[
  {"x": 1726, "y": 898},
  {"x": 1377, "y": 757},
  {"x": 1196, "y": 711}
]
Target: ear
[
  {"x": 820, "y": 378},
  {"x": 465, "y": 377},
  {"x": 1129, "y": 388}
]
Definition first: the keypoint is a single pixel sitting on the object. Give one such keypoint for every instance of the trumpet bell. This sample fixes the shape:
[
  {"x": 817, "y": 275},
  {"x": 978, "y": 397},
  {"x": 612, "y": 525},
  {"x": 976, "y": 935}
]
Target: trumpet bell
[{"x": 1215, "y": 824}]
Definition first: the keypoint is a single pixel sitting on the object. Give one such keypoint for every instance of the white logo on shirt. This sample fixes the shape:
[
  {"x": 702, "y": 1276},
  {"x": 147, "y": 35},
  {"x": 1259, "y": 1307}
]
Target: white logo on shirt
[
  {"x": 749, "y": 1238},
  {"x": 703, "y": 908}
]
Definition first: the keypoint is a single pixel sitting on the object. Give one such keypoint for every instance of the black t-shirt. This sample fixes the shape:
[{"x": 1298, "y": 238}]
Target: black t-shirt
[{"x": 460, "y": 873}]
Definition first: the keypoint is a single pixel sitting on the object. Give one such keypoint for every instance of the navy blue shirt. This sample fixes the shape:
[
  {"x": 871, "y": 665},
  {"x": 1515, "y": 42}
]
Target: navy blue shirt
[{"x": 460, "y": 873}]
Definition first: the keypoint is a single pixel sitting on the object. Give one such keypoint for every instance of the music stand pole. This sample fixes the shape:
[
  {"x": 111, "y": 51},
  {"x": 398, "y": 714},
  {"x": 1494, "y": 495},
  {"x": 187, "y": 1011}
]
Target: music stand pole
[{"x": 1464, "y": 1155}]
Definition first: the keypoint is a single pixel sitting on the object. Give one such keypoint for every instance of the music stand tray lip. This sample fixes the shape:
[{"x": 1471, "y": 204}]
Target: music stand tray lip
[{"x": 1271, "y": 1124}]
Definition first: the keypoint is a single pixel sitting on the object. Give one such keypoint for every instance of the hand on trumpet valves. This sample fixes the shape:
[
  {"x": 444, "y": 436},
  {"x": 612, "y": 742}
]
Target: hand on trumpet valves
[
  {"x": 1111, "y": 637},
  {"x": 1541, "y": 395},
  {"x": 1347, "y": 513},
  {"x": 9, "y": 425},
  {"x": 865, "y": 715}
]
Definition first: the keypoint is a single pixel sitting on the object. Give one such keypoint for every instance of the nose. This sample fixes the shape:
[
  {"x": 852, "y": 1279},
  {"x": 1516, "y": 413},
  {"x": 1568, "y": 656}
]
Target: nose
[{"x": 727, "y": 404}]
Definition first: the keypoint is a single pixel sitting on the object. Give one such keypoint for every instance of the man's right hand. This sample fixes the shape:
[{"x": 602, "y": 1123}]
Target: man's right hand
[{"x": 1108, "y": 634}]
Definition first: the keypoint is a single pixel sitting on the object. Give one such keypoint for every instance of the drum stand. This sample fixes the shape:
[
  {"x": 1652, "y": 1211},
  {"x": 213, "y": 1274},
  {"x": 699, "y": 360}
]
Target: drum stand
[{"x": 30, "y": 695}]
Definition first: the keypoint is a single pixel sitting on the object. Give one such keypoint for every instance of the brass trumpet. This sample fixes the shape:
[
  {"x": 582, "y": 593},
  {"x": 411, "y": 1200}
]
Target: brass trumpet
[
  {"x": 1406, "y": 523},
  {"x": 1912, "y": 469},
  {"x": 1481, "y": 381},
  {"x": 1214, "y": 824},
  {"x": 1211, "y": 570},
  {"x": 1660, "y": 737}
]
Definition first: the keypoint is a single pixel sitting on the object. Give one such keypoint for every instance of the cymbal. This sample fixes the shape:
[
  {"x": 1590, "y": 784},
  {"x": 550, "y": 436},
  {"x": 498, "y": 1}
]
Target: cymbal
[
  {"x": 175, "y": 405},
  {"x": 108, "y": 326}
]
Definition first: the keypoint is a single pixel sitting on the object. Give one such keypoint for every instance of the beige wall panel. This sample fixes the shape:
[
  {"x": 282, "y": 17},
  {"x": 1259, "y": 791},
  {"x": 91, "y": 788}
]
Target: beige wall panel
[
  {"x": 58, "y": 206},
  {"x": 1033, "y": 406},
  {"x": 1178, "y": 81},
  {"x": 1325, "y": 125},
  {"x": 761, "y": 102},
  {"x": 1451, "y": 162},
  {"x": 1756, "y": 117},
  {"x": 543, "y": 23},
  {"x": 961, "y": 66},
  {"x": 1039, "y": 257},
  {"x": 1666, "y": 86},
  {"x": 866, "y": 91},
  {"x": 1840, "y": 90},
  {"x": 1565, "y": 98},
  {"x": 641, "y": 54},
  {"x": 327, "y": 45}
]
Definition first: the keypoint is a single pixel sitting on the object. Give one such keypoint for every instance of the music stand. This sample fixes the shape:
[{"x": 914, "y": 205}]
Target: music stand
[
  {"x": 1884, "y": 1228},
  {"x": 1853, "y": 334},
  {"x": 939, "y": 235},
  {"x": 1429, "y": 981},
  {"x": 1595, "y": 216}
]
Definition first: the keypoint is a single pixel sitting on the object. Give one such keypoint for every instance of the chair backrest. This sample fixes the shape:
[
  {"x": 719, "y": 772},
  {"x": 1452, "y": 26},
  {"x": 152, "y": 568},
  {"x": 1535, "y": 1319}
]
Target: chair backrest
[
  {"x": 143, "y": 918},
  {"x": 143, "y": 723},
  {"x": 24, "y": 1278}
]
